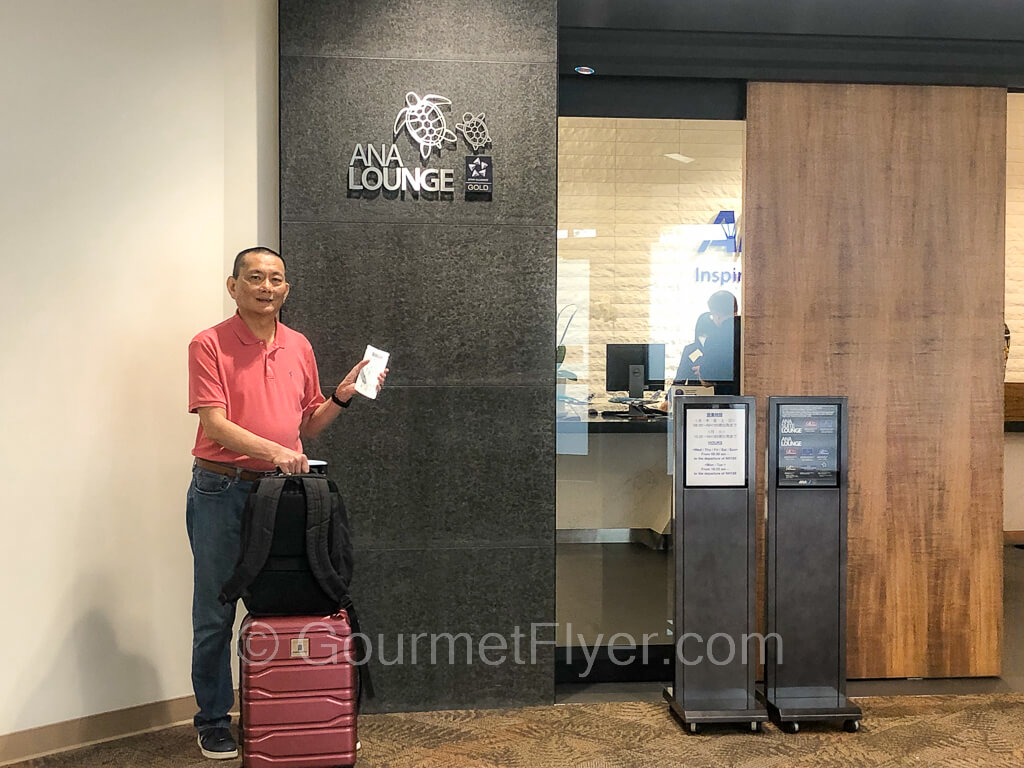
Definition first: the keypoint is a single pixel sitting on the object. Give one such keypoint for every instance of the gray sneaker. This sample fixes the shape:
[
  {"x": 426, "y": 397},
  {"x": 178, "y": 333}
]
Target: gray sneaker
[{"x": 217, "y": 744}]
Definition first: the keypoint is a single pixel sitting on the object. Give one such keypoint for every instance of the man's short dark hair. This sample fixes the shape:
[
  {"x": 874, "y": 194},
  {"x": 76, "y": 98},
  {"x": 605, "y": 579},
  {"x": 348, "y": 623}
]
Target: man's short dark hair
[
  {"x": 240, "y": 258},
  {"x": 722, "y": 303}
]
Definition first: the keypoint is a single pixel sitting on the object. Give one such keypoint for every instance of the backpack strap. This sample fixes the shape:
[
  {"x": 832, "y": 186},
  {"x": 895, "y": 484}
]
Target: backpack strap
[
  {"x": 341, "y": 535},
  {"x": 318, "y": 527},
  {"x": 363, "y": 670},
  {"x": 260, "y": 515},
  {"x": 320, "y": 503}
]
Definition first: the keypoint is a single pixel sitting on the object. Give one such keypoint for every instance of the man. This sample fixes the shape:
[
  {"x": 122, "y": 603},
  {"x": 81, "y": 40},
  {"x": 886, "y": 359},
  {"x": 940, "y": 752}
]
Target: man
[
  {"x": 254, "y": 383},
  {"x": 711, "y": 359}
]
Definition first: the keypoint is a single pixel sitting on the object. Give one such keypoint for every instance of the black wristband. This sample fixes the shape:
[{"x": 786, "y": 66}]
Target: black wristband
[{"x": 338, "y": 402}]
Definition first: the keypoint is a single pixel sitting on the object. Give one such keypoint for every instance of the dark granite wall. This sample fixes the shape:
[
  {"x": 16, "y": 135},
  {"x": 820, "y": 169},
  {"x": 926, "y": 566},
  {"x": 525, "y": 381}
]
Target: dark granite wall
[{"x": 449, "y": 476}]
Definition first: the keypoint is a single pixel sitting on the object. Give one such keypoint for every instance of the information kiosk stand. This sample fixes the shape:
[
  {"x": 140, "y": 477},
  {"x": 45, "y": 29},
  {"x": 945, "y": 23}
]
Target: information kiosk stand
[
  {"x": 713, "y": 539},
  {"x": 805, "y": 669}
]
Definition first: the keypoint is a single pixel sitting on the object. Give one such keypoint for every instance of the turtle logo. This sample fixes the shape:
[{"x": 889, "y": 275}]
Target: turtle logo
[
  {"x": 475, "y": 130},
  {"x": 426, "y": 124}
]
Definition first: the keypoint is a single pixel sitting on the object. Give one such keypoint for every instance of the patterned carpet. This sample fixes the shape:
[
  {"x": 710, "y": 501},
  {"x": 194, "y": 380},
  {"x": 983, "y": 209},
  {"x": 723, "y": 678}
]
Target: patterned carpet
[{"x": 930, "y": 731}]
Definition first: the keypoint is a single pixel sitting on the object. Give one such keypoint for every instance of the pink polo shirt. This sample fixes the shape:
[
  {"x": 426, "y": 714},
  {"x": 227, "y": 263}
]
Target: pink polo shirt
[{"x": 266, "y": 390}]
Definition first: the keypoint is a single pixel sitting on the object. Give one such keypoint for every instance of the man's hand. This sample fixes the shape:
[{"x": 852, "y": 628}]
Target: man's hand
[
  {"x": 347, "y": 388},
  {"x": 291, "y": 462}
]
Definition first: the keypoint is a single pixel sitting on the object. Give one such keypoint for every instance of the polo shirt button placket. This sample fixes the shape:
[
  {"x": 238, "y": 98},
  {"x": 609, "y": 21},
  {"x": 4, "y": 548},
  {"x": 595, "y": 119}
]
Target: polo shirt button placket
[{"x": 268, "y": 372}]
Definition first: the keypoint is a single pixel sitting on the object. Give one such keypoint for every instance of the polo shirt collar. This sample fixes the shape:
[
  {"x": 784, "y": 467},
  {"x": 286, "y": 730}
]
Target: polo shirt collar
[{"x": 246, "y": 336}]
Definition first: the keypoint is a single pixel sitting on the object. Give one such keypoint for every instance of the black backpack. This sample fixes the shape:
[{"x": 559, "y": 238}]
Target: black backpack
[{"x": 296, "y": 556}]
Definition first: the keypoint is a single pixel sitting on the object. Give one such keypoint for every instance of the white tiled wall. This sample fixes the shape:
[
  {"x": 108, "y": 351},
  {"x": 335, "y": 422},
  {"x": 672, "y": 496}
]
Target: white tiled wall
[
  {"x": 1013, "y": 491},
  {"x": 1015, "y": 234}
]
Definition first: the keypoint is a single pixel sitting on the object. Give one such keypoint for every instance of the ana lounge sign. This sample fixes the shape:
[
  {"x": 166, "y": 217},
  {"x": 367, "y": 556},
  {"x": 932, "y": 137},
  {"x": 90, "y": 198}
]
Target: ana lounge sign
[
  {"x": 370, "y": 170},
  {"x": 373, "y": 170}
]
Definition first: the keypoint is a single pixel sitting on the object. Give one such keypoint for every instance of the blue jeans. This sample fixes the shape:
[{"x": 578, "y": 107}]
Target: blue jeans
[{"x": 213, "y": 515}]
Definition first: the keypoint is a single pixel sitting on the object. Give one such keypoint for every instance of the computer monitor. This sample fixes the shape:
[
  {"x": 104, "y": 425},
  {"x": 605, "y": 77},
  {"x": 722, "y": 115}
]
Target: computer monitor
[{"x": 634, "y": 368}]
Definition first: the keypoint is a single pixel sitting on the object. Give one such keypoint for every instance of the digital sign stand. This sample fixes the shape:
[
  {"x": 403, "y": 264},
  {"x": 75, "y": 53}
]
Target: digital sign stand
[
  {"x": 806, "y": 489},
  {"x": 713, "y": 539}
]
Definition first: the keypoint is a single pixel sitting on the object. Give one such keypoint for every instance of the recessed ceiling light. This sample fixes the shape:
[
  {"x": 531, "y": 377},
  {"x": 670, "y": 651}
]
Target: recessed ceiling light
[
  {"x": 680, "y": 158},
  {"x": 585, "y": 70}
]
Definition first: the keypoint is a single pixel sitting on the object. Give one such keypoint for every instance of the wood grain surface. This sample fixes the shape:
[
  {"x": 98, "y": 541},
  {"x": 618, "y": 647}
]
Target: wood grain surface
[{"x": 873, "y": 249}]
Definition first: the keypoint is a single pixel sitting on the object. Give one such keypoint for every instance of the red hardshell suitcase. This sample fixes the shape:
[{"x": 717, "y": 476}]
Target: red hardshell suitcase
[{"x": 298, "y": 692}]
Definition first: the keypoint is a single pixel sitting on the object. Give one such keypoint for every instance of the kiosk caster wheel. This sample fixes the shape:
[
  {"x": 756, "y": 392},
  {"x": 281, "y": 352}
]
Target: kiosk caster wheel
[
  {"x": 694, "y": 728},
  {"x": 791, "y": 727},
  {"x": 851, "y": 726},
  {"x": 755, "y": 726}
]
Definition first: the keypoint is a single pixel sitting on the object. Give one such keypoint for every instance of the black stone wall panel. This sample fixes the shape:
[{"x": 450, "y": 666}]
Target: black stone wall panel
[
  {"x": 403, "y": 592},
  {"x": 444, "y": 30},
  {"x": 454, "y": 305},
  {"x": 441, "y": 467}
]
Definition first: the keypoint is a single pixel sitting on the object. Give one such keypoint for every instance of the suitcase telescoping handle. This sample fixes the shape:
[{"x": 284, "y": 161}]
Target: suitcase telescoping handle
[{"x": 317, "y": 468}]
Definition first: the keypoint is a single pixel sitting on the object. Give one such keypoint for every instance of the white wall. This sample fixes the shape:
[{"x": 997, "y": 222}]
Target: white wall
[{"x": 134, "y": 161}]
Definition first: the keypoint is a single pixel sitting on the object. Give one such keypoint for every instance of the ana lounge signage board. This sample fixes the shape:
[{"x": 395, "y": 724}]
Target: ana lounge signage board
[
  {"x": 378, "y": 169},
  {"x": 808, "y": 445}
]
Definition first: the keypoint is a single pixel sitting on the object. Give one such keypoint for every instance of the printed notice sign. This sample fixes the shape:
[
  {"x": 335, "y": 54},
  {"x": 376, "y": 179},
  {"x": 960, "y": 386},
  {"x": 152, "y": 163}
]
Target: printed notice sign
[
  {"x": 716, "y": 442},
  {"x": 808, "y": 445}
]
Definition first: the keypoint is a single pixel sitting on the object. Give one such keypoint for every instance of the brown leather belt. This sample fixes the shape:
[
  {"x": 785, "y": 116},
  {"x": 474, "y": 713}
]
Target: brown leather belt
[{"x": 229, "y": 470}]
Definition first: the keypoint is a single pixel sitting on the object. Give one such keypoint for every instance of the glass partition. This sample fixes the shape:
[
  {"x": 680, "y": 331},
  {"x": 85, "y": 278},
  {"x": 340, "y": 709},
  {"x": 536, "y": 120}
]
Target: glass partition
[{"x": 649, "y": 295}]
